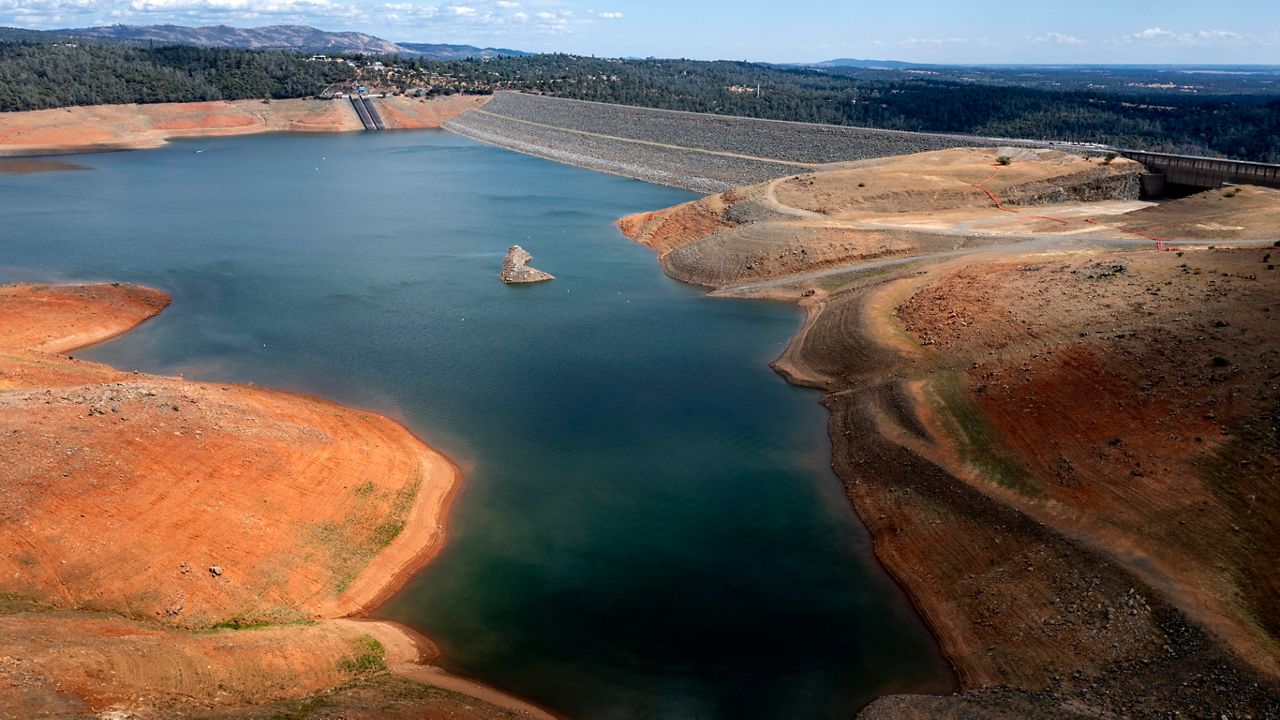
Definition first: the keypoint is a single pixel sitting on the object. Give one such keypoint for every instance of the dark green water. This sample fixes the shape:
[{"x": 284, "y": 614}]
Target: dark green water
[{"x": 648, "y": 527}]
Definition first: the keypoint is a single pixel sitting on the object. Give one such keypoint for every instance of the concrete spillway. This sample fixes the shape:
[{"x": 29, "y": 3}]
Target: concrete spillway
[
  {"x": 368, "y": 113},
  {"x": 373, "y": 114},
  {"x": 1201, "y": 172},
  {"x": 363, "y": 113}
]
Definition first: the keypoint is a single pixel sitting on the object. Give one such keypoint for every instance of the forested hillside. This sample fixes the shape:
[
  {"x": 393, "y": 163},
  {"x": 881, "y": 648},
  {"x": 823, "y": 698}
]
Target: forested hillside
[
  {"x": 1211, "y": 118},
  {"x": 34, "y": 77}
]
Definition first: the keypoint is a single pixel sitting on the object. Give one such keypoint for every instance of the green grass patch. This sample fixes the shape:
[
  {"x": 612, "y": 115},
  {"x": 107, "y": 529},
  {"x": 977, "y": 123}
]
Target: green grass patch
[
  {"x": 259, "y": 621},
  {"x": 975, "y": 437},
  {"x": 367, "y": 656},
  {"x": 349, "y": 544},
  {"x": 10, "y": 604},
  {"x": 391, "y": 528}
]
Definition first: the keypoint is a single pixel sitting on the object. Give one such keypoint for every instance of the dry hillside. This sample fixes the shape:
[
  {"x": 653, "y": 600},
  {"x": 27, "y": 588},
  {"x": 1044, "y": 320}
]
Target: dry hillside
[
  {"x": 144, "y": 519},
  {"x": 1062, "y": 438}
]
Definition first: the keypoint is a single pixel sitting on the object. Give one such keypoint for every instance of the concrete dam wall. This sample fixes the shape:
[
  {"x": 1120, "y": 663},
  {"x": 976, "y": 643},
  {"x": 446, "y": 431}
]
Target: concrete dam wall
[{"x": 1201, "y": 172}]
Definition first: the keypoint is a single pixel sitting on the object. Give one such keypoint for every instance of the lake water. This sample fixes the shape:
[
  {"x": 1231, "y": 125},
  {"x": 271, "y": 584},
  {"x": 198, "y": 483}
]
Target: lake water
[{"x": 648, "y": 526}]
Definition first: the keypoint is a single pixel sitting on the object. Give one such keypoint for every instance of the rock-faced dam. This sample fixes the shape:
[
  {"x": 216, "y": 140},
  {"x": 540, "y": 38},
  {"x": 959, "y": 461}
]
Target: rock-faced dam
[{"x": 713, "y": 153}]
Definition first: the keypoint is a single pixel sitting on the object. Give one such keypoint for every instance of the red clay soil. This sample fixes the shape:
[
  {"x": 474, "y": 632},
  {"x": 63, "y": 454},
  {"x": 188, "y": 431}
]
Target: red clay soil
[
  {"x": 207, "y": 122},
  {"x": 1135, "y": 397},
  {"x": 59, "y": 318},
  {"x": 80, "y": 662},
  {"x": 89, "y": 665},
  {"x": 186, "y": 505},
  {"x": 1023, "y": 596},
  {"x": 406, "y": 113},
  {"x": 666, "y": 230},
  {"x": 298, "y": 502}
]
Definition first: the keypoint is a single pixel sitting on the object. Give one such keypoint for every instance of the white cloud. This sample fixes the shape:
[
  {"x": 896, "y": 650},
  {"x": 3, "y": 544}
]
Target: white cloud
[
  {"x": 1219, "y": 35},
  {"x": 1154, "y": 33},
  {"x": 1057, "y": 39},
  {"x": 50, "y": 13},
  {"x": 934, "y": 41},
  {"x": 262, "y": 7},
  {"x": 1201, "y": 38},
  {"x": 20, "y": 9},
  {"x": 440, "y": 20},
  {"x": 408, "y": 12}
]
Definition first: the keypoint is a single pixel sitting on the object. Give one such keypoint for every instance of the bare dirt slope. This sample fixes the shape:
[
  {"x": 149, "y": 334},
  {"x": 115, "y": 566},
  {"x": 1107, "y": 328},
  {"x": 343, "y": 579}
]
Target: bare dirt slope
[
  {"x": 58, "y": 318},
  {"x": 131, "y": 127},
  {"x": 1061, "y": 439},
  {"x": 406, "y": 113},
  {"x": 875, "y": 209},
  {"x": 297, "y": 502},
  {"x": 89, "y": 665},
  {"x": 1243, "y": 212},
  {"x": 184, "y": 506},
  {"x": 959, "y": 178},
  {"x": 1135, "y": 406}
]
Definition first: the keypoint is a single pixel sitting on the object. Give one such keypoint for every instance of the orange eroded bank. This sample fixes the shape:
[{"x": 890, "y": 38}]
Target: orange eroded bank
[{"x": 96, "y": 128}]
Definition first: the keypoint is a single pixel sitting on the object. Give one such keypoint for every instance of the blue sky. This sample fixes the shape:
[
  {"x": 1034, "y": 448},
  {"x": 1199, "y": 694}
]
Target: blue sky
[{"x": 1065, "y": 31}]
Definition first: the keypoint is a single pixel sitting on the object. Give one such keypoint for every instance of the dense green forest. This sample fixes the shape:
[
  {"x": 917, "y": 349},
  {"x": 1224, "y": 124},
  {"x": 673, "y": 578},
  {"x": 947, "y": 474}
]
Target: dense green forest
[
  {"x": 1240, "y": 126},
  {"x": 38, "y": 76},
  {"x": 1210, "y": 119}
]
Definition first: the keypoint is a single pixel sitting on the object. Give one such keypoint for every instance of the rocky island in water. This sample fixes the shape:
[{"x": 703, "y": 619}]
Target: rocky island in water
[{"x": 515, "y": 268}]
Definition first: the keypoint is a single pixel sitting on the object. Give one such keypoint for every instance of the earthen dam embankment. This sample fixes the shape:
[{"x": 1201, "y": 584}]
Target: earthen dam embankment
[{"x": 694, "y": 151}]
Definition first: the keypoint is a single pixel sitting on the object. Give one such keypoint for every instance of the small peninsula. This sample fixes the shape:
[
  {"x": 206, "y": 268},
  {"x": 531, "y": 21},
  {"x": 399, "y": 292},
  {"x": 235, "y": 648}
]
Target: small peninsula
[{"x": 149, "y": 522}]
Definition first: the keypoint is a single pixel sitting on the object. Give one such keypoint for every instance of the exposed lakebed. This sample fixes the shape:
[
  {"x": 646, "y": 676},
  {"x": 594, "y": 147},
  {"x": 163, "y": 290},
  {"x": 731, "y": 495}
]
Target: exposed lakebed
[{"x": 647, "y": 525}]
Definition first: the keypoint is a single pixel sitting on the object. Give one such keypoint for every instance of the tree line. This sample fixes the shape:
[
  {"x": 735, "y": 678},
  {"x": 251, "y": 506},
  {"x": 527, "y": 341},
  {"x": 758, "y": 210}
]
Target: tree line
[
  {"x": 1240, "y": 126},
  {"x": 1231, "y": 124},
  {"x": 36, "y": 76}
]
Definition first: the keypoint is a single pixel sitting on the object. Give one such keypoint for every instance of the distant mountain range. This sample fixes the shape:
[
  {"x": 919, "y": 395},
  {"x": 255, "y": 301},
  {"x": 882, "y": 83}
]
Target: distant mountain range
[
  {"x": 272, "y": 37},
  {"x": 868, "y": 64},
  {"x": 457, "y": 52}
]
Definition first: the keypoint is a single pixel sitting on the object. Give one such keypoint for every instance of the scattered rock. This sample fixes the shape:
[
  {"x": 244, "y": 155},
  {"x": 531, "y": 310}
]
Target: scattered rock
[
  {"x": 515, "y": 268},
  {"x": 215, "y": 570}
]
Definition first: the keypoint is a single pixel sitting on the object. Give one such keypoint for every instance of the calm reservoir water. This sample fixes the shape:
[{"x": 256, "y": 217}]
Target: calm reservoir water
[{"x": 648, "y": 526}]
